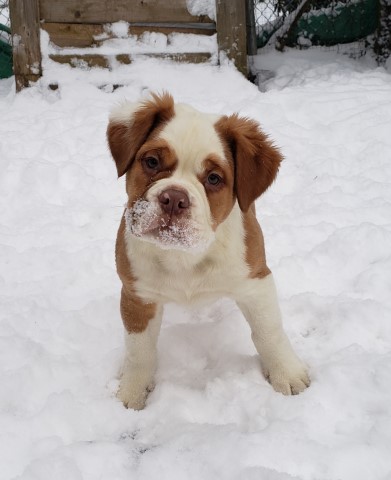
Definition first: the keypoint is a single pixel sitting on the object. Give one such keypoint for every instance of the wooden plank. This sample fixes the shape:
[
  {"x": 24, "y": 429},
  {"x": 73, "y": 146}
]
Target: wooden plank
[
  {"x": 189, "y": 57},
  {"x": 108, "y": 11},
  {"x": 231, "y": 31},
  {"x": 84, "y": 35},
  {"x": 82, "y": 61},
  {"x": 72, "y": 34},
  {"x": 105, "y": 61},
  {"x": 24, "y": 15},
  {"x": 197, "y": 29}
]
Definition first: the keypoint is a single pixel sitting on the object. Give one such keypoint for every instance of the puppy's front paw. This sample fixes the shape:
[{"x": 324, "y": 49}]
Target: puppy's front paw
[
  {"x": 288, "y": 377},
  {"x": 133, "y": 395}
]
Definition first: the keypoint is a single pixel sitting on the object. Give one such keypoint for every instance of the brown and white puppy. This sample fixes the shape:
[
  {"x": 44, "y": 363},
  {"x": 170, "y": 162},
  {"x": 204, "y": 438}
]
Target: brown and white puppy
[{"x": 189, "y": 233}]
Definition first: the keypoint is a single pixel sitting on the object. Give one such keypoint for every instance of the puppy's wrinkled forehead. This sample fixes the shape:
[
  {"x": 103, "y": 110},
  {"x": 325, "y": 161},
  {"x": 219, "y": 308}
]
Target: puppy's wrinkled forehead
[{"x": 193, "y": 137}]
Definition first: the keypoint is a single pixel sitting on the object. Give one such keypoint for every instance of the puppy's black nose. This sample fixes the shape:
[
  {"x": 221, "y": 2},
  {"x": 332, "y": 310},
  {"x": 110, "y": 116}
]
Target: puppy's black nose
[{"x": 174, "y": 202}]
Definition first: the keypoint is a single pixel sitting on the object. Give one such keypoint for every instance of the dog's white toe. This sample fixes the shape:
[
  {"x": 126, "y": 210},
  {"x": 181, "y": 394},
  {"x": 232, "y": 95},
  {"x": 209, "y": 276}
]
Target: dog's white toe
[
  {"x": 289, "y": 379},
  {"x": 134, "y": 395}
]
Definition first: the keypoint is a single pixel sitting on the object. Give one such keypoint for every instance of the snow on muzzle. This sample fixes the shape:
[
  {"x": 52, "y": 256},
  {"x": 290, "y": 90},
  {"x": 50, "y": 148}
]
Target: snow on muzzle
[{"x": 150, "y": 222}]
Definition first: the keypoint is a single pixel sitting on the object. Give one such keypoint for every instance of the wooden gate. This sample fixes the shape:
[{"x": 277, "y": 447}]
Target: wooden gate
[{"x": 81, "y": 24}]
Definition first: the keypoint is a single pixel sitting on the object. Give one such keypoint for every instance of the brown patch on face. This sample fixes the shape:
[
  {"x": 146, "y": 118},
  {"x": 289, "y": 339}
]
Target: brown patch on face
[
  {"x": 126, "y": 138},
  {"x": 255, "y": 248},
  {"x": 134, "y": 312},
  {"x": 220, "y": 196},
  {"x": 140, "y": 177},
  {"x": 255, "y": 159}
]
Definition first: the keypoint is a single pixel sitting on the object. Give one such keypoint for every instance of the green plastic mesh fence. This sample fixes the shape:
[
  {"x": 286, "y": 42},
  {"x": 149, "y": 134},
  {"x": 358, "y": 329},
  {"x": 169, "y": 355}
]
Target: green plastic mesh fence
[
  {"x": 5, "y": 41},
  {"x": 305, "y": 23}
]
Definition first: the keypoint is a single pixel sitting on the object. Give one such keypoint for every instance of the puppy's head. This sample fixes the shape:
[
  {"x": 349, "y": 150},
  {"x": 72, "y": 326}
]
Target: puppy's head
[{"x": 186, "y": 169}]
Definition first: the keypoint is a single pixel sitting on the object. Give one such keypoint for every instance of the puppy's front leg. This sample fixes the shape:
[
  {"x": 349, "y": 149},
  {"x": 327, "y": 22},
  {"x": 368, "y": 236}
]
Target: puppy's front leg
[
  {"x": 142, "y": 325},
  {"x": 280, "y": 365}
]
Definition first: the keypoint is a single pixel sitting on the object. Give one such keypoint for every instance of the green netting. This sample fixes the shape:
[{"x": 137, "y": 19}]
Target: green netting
[
  {"x": 329, "y": 25},
  {"x": 5, "y": 54},
  {"x": 344, "y": 23}
]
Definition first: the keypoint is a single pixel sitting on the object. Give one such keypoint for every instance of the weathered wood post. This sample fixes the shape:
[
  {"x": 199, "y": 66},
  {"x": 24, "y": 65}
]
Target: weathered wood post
[
  {"x": 231, "y": 31},
  {"x": 26, "y": 49},
  {"x": 251, "y": 28}
]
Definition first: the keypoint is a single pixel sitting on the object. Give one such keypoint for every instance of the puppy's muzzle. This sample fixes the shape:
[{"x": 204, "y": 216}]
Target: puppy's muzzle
[{"x": 174, "y": 202}]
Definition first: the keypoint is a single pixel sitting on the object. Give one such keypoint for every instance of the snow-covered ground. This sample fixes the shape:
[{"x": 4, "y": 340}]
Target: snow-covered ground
[{"x": 327, "y": 223}]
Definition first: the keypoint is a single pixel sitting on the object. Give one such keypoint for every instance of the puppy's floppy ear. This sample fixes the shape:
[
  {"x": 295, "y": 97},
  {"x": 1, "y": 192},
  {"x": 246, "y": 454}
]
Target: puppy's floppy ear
[
  {"x": 256, "y": 160},
  {"x": 131, "y": 124}
]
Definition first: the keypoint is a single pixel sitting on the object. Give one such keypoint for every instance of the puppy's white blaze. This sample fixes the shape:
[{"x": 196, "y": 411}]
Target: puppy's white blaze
[{"x": 193, "y": 137}]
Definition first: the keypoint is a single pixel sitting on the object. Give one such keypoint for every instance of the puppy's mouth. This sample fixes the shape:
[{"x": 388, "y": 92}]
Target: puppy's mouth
[{"x": 146, "y": 221}]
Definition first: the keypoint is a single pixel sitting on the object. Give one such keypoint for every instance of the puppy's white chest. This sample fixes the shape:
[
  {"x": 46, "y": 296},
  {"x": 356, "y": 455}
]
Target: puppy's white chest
[
  {"x": 171, "y": 276},
  {"x": 172, "y": 280}
]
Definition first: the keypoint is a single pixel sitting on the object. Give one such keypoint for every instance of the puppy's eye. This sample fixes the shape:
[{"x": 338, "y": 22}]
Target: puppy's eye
[
  {"x": 213, "y": 179},
  {"x": 152, "y": 163}
]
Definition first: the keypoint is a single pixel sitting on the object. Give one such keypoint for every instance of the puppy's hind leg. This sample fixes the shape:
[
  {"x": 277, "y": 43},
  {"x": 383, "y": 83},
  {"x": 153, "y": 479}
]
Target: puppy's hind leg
[{"x": 142, "y": 325}]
